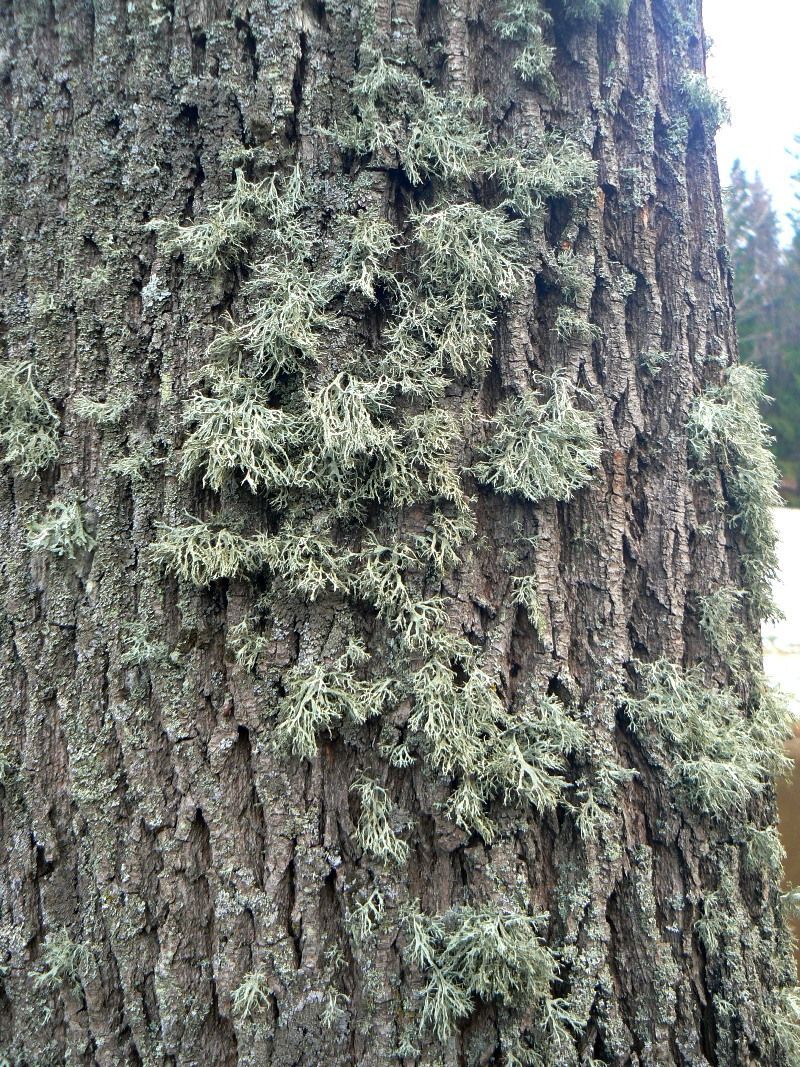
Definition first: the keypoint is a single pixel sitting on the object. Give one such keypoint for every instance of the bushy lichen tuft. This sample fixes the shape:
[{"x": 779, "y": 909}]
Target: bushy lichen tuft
[
  {"x": 107, "y": 412},
  {"x": 541, "y": 170},
  {"x": 251, "y": 997},
  {"x": 703, "y": 102},
  {"x": 285, "y": 321},
  {"x": 374, "y": 830},
  {"x": 61, "y": 531},
  {"x": 63, "y": 962},
  {"x": 783, "y": 1026},
  {"x": 726, "y": 432},
  {"x": 492, "y": 953},
  {"x": 524, "y": 21},
  {"x": 317, "y": 698},
  {"x": 401, "y": 120},
  {"x": 718, "y": 618},
  {"x": 235, "y": 430},
  {"x": 203, "y": 552},
  {"x": 466, "y": 732},
  {"x": 371, "y": 245},
  {"x": 222, "y": 239},
  {"x": 718, "y": 755},
  {"x": 469, "y": 251},
  {"x": 28, "y": 422},
  {"x": 541, "y": 449}
]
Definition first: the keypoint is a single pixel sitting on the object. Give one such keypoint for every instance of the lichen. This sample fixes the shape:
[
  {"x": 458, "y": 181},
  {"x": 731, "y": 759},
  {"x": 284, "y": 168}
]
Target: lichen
[
  {"x": 222, "y": 239},
  {"x": 466, "y": 731},
  {"x": 251, "y": 997},
  {"x": 374, "y": 831},
  {"x": 719, "y": 756},
  {"x": 61, "y": 531},
  {"x": 492, "y": 953},
  {"x": 726, "y": 433},
  {"x": 318, "y": 697},
  {"x": 703, "y": 102},
  {"x": 203, "y": 552},
  {"x": 719, "y": 622},
  {"x": 107, "y": 412},
  {"x": 541, "y": 449},
  {"x": 28, "y": 422},
  {"x": 524, "y": 22},
  {"x": 235, "y": 431},
  {"x": 63, "y": 962}
]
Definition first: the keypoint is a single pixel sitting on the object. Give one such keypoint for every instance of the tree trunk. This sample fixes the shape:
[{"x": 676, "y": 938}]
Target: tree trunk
[{"x": 385, "y": 537}]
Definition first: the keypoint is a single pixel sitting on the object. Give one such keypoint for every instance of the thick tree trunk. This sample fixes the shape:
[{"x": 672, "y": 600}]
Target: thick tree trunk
[{"x": 374, "y": 486}]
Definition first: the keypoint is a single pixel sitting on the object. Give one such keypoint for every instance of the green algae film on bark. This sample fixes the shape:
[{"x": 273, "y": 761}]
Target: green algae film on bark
[{"x": 366, "y": 420}]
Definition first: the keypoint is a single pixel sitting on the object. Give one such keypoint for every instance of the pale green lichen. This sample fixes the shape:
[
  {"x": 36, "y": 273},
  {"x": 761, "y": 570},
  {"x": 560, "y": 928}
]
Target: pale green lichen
[
  {"x": 374, "y": 829},
  {"x": 572, "y": 325},
  {"x": 28, "y": 422},
  {"x": 718, "y": 755},
  {"x": 441, "y": 539},
  {"x": 436, "y": 334},
  {"x": 371, "y": 244},
  {"x": 63, "y": 962},
  {"x": 347, "y": 419},
  {"x": 235, "y": 430},
  {"x": 466, "y": 732},
  {"x": 470, "y": 251},
  {"x": 429, "y": 134},
  {"x": 61, "y": 531},
  {"x": 763, "y": 852},
  {"x": 492, "y": 953},
  {"x": 285, "y": 320},
  {"x": 383, "y": 580},
  {"x": 335, "y": 1008},
  {"x": 366, "y": 915},
  {"x": 718, "y": 618},
  {"x": 222, "y": 239},
  {"x": 141, "y": 647},
  {"x": 653, "y": 361},
  {"x": 305, "y": 555},
  {"x": 526, "y": 593},
  {"x": 246, "y": 645},
  {"x": 524, "y": 22},
  {"x": 541, "y": 449},
  {"x": 383, "y": 575},
  {"x": 203, "y": 552},
  {"x": 550, "y": 168},
  {"x": 704, "y": 102},
  {"x": 317, "y": 698},
  {"x": 725, "y": 431},
  {"x": 574, "y": 275},
  {"x": 782, "y": 1026},
  {"x": 102, "y": 412},
  {"x": 445, "y": 138},
  {"x": 419, "y": 464},
  {"x": 251, "y": 997}
]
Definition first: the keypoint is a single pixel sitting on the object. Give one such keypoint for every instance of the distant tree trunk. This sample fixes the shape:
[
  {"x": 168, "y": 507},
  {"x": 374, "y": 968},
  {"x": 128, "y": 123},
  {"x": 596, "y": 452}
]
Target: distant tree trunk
[{"x": 384, "y": 538}]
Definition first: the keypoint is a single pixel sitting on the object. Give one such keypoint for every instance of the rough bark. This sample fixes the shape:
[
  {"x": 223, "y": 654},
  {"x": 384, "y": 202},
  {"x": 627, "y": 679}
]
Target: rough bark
[{"x": 153, "y": 832}]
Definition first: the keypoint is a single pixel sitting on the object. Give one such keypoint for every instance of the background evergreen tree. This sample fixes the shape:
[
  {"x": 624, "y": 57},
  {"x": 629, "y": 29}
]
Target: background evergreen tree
[{"x": 767, "y": 288}]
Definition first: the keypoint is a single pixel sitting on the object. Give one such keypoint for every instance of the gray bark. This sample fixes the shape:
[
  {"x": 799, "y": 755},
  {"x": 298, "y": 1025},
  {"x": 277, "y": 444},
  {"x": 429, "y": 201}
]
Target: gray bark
[{"x": 152, "y": 829}]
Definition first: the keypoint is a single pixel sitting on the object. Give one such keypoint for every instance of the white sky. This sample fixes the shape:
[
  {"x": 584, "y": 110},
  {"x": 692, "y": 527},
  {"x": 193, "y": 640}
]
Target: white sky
[{"x": 755, "y": 62}]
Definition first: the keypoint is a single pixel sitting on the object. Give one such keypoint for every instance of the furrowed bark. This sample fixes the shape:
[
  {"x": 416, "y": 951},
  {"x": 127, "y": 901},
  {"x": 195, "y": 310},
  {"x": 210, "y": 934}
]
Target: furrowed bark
[{"x": 195, "y": 868}]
